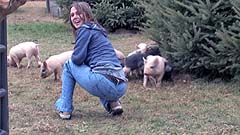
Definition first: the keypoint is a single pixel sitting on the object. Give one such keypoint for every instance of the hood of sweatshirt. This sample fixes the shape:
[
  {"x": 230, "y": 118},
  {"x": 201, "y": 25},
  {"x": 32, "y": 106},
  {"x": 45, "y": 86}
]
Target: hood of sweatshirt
[{"x": 94, "y": 26}]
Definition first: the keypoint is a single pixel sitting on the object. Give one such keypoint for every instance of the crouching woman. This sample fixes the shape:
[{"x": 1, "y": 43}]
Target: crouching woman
[{"x": 93, "y": 65}]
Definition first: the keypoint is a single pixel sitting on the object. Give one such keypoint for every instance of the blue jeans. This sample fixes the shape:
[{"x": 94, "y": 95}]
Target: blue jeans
[{"x": 94, "y": 83}]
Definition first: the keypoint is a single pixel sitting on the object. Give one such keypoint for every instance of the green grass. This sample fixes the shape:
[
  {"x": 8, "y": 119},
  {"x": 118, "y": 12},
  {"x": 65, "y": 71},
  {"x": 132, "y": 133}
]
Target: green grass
[
  {"x": 53, "y": 37},
  {"x": 185, "y": 107}
]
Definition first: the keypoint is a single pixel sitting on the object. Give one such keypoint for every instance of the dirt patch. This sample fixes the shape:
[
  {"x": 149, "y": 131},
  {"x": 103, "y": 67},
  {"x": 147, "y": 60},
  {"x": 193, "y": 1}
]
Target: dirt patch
[{"x": 30, "y": 13}]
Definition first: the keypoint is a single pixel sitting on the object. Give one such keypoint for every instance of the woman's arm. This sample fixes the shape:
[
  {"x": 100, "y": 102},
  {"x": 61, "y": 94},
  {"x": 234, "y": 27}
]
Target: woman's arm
[{"x": 81, "y": 46}]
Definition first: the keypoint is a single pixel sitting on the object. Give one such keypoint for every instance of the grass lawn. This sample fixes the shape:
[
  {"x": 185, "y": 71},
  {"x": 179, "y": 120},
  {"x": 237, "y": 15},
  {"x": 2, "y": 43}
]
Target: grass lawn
[{"x": 184, "y": 107}]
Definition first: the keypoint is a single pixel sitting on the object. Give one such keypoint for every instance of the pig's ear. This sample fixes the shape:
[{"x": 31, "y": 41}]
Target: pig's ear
[
  {"x": 44, "y": 63},
  {"x": 136, "y": 46},
  {"x": 165, "y": 60},
  {"x": 144, "y": 60}
]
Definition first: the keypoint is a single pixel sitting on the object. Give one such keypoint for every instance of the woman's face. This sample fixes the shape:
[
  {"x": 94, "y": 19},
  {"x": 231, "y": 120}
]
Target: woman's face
[{"x": 76, "y": 18}]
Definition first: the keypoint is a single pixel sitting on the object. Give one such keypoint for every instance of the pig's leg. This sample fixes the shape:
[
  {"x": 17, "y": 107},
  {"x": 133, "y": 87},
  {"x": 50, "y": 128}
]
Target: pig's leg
[
  {"x": 159, "y": 80},
  {"x": 152, "y": 81},
  {"x": 55, "y": 75},
  {"x": 140, "y": 72},
  {"x": 58, "y": 73},
  {"x": 135, "y": 73},
  {"x": 130, "y": 74},
  {"x": 145, "y": 79},
  {"x": 38, "y": 60},
  {"x": 29, "y": 62},
  {"x": 36, "y": 55},
  {"x": 29, "y": 58}
]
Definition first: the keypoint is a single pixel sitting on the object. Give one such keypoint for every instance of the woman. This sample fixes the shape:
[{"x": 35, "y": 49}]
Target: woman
[{"x": 93, "y": 65}]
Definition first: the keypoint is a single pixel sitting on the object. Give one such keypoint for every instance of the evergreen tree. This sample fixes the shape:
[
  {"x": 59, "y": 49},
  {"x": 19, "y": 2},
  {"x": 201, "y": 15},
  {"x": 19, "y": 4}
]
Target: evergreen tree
[
  {"x": 112, "y": 14},
  {"x": 115, "y": 14},
  {"x": 189, "y": 33}
]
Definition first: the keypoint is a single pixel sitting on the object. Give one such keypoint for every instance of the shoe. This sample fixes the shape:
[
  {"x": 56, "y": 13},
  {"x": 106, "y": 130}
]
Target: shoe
[
  {"x": 65, "y": 115},
  {"x": 116, "y": 108}
]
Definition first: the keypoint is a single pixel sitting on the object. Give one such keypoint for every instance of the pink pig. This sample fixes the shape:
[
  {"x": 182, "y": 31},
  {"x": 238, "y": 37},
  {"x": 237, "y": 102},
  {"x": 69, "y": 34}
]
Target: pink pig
[
  {"x": 25, "y": 49},
  {"x": 54, "y": 64},
  {"x": 154, "y": 69}
]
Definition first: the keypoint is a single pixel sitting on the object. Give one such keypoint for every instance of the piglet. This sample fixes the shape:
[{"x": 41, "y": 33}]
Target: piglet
[
  {"x": 140, "y": 48},
  {"x": 154, "y": 68},
  {"x": 54, "y": 64},
  {"x": 134, "y": 63},
  {"x": 25, "y": 49}
]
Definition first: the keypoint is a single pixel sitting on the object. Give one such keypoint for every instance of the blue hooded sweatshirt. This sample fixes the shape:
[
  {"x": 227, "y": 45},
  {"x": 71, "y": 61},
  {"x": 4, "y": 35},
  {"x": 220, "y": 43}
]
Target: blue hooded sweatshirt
[{"x": 93, "y": 48}]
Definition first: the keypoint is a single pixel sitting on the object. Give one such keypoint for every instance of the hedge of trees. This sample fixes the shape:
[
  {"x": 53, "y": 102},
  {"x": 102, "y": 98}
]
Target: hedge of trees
[
  {"x": 201, "y": 37},
  {"x": 113, "y": 14}
]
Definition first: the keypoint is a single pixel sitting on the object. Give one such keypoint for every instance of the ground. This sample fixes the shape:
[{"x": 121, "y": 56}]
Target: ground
[{"x": 33, "y": 14}]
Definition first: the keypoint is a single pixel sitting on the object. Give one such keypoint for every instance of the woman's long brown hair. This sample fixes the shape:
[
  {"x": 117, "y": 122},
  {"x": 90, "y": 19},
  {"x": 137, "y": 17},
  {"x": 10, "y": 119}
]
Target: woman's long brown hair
[{"x": 84, "y": 9}]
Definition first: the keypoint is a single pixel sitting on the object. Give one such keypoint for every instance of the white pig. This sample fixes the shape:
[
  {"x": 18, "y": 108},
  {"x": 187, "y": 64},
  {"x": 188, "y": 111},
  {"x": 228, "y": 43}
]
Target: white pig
[
  {"x": 154, "y": 69},
  {"x": 141, "y": 48},
  {"x": 54, "y": 64},
  {"x": 25, "y": 49}
]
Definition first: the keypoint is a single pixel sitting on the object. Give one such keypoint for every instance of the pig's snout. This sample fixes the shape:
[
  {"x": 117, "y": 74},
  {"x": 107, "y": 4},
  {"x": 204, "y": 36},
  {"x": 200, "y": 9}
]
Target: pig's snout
[{"x": 43, "y": 73}]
